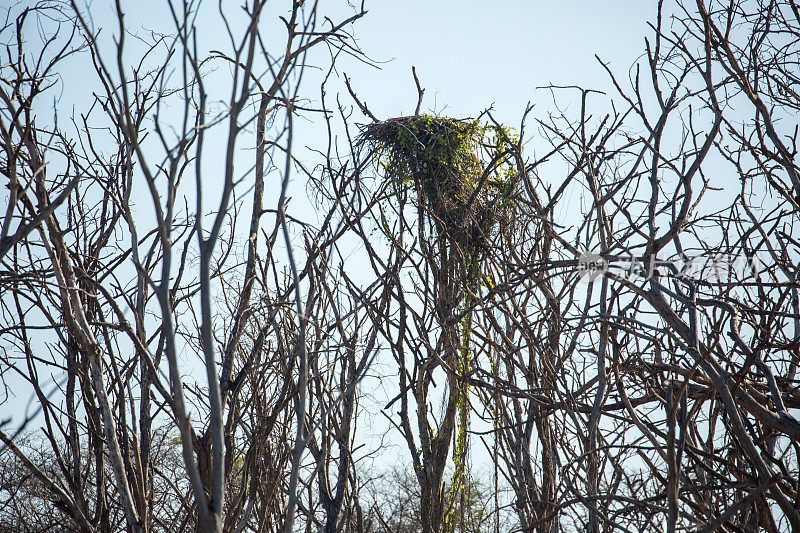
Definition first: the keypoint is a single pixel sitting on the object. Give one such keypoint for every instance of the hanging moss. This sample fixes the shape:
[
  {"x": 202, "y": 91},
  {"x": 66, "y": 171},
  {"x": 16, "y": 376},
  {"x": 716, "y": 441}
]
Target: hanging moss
[{"x": 446, "y": 160}]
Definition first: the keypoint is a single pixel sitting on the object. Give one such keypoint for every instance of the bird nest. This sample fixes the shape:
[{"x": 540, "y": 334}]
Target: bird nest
[{"x": 460, "y": 169}]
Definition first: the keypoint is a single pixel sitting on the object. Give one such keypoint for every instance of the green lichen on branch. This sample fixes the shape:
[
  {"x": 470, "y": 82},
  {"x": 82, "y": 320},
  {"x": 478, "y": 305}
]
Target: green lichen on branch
[{"x": 462, "y": 170}]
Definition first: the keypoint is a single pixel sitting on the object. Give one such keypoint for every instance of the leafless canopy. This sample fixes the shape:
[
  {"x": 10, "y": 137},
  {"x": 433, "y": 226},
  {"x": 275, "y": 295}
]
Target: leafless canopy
[{"x": 587, "y": 321}]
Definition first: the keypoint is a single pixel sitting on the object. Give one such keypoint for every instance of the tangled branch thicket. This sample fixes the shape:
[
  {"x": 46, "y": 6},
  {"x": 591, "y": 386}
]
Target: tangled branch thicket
[{"x": 412, "y": 343}]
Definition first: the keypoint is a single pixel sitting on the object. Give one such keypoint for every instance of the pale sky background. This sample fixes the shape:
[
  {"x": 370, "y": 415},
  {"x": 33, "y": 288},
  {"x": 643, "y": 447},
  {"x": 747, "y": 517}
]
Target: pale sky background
[{"x": 469, "y": 55}]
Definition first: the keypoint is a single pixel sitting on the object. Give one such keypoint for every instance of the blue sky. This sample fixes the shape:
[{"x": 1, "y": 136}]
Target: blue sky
[
  {"x": 469, "y": 55},
  {"x": 473, "y": 54}
]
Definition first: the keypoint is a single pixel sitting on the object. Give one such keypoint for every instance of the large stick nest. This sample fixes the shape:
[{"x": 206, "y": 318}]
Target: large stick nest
[{"x": 446, "y": 160}]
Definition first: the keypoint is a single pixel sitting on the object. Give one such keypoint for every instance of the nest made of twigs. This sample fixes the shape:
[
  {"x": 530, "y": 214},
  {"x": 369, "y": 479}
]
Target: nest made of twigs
[{"x": 442, "y": 159}]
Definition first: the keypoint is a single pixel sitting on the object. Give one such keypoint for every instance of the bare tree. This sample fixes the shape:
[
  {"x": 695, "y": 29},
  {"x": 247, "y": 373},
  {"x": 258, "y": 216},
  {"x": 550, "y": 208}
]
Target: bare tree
[
  {"x": 124, "y": 288},
  {"x": 611, "y": 324},
  {"x": 661, "y": 391}
]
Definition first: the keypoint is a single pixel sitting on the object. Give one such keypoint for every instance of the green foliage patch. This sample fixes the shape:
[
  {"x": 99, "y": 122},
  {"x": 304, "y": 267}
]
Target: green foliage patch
[{"x": 462, "y": 170}]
